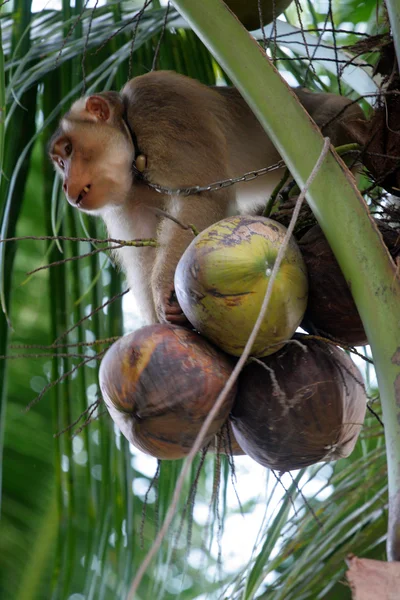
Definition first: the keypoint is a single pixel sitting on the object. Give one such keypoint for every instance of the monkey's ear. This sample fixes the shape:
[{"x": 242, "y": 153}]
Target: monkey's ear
[{"x": 99, "y": 108}]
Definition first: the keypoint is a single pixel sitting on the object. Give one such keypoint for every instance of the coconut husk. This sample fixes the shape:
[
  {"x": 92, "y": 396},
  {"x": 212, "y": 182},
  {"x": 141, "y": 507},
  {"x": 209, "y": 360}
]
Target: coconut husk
[
  {"x": 159, "y": 383},
  {"x": 302, "y": 405},
  {"x": 379, "y": 137},
  {"x": 373, "y": 579}
]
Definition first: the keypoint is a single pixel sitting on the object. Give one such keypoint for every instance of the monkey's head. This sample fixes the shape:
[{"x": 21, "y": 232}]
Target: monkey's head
[{"x": 92, "y": 151}]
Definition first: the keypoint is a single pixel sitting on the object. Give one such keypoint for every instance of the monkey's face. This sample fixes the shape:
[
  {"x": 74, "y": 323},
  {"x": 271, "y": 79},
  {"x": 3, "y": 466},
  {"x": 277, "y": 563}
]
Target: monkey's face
[{"x": 94, "y": 160}]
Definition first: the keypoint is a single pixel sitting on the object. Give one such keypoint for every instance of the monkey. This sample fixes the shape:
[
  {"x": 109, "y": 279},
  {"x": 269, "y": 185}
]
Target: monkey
[{"x": 171, "y": 130}]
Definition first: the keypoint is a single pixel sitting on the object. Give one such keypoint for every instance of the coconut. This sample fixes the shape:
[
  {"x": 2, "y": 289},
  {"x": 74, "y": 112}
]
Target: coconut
[
  {"x": 248, "y": 13},
  {"x": 159, "y": 383},
  {"x": 331, "y": 310},
  {"x": 302, "y": 405},
  {"x": 222, "y": 277}
]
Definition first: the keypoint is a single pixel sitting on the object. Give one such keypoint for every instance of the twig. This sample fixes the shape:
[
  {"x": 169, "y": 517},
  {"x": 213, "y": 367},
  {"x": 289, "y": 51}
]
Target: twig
[
  {"x": 306, "y": 502},
  {"x": 92, "y": 312},
  {"x": 260, "y": 16},
  {"x": 135, "y": 244},
  {"x": 43, "y": 355},
  {"x": 134, "y": 33},
  {"x": 89, "y": 420},
  {"x": 84, "y": 53},
  {"x": 336, "y": 343},
  {"x": 279, "y": 480},
  {"x": 145, "y": 501},
  {"x": 62, "y": 377},
  {"x": 163, "y": 213},
  {"x": 63, "y": 261},
  {"x": 66, "y": 238},
  {"x": 136, "y": 16},
  {"x": 70, "y": 32},
  {"x": 109, "y": 341},
  {"x": 229, "y": 384},
  {"x": 89, "y": 409},
  {"x": 164, "y": 26},
  {"x": 377, "y": 417}
]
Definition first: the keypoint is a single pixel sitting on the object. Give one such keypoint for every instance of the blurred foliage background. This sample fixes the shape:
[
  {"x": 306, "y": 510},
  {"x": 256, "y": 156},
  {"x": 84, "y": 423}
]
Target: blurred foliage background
[{"x": 75, "y": 524}]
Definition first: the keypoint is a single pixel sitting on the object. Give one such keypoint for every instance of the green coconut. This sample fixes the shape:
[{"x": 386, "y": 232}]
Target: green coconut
[{"x": 222, "y": 277}]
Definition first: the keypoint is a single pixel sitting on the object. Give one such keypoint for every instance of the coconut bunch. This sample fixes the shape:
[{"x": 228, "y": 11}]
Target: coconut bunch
[{"x": 299, "y": 403}]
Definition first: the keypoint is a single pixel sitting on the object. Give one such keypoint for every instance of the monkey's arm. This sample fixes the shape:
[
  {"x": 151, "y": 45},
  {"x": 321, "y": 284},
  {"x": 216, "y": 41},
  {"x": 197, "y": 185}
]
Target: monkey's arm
[{"x": 201, "y": 211}]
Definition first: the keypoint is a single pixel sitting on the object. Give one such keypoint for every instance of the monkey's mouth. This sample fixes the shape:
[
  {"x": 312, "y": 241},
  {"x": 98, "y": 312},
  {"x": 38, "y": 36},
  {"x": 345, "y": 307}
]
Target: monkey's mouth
[{"x": 82, "y": 195}]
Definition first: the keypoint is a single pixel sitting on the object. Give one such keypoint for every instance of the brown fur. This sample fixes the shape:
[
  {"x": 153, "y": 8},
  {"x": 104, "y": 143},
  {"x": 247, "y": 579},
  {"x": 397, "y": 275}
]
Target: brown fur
[{"x": 191, "y": 134}]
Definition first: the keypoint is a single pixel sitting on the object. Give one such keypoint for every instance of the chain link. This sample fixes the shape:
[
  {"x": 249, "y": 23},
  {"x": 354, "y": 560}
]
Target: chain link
[{"x": 217, "y": 185}]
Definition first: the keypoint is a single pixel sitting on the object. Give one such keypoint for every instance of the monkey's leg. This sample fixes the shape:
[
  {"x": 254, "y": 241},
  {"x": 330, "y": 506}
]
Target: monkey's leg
[{"x": 201, "y": 211}]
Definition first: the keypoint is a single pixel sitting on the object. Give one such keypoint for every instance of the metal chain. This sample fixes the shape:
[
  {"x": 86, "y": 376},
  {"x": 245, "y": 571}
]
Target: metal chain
[{"x": 217, "y": 185}]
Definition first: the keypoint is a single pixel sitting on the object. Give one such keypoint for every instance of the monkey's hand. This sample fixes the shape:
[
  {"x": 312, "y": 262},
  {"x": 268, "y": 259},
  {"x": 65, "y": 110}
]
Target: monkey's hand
[
  {"x": 173, "y": 241},
  {"x": 169, "y": 310}
]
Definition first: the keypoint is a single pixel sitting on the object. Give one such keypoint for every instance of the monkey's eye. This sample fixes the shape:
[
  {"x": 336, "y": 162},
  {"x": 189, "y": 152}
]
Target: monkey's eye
[
  {"x": 68, "y": 148},
  {"x": 60, "y": 162}
]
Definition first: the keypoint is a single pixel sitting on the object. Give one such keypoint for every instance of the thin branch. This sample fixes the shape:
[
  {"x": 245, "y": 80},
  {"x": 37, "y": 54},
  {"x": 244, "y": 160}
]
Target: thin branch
[
  {"x": 66, "y": 238},
  {"x": 62, "y": 378},
  {"x": 136, "y": 17},
  {"x": 160, "y": 39},
  {"x": 166, "y": 215},
  {"x": 88, "y": 316},
  {"x": 84, "y": 53},
  {"x": 377, "y": 417},
  {"x": 306, "y": 502},
  {"x": 94, "y": 404},
  {"x": 89, "y": 420},
  {"x": 145, "y": 502},
  {"x": 43, "y": 355},
  {"x": 109, "y": 341},
  {"x": 134, "y": 33},
  {"x": 70, "y": 32},
  {"x": 63, "y": 261},
  {"x": 135, "y": 244},
  {"x": 336, "y": 343}
]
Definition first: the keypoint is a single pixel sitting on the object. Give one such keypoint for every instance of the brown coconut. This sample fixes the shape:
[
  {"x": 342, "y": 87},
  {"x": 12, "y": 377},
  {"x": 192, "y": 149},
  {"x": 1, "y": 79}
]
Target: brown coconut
[
  {"x": 247, "y": 11},
  {"x": 159, "y": 384},
  {"x": 302, "y": 405},
  {"x": 380, "y": 138},
  {"x": 331, "y": 310}
]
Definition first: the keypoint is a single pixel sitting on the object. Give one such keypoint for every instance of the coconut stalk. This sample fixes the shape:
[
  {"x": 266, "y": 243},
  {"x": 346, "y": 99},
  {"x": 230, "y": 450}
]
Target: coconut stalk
[{"x": 338, "y": 206}]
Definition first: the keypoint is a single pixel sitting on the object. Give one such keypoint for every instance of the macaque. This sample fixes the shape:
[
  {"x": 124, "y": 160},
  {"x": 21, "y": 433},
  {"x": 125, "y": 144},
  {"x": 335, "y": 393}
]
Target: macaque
[{"x": 180, "y": 133}]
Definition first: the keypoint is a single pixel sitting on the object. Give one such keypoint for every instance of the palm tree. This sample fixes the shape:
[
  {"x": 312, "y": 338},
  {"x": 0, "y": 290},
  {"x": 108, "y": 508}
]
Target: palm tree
[{"x": 80, "y": 508}]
